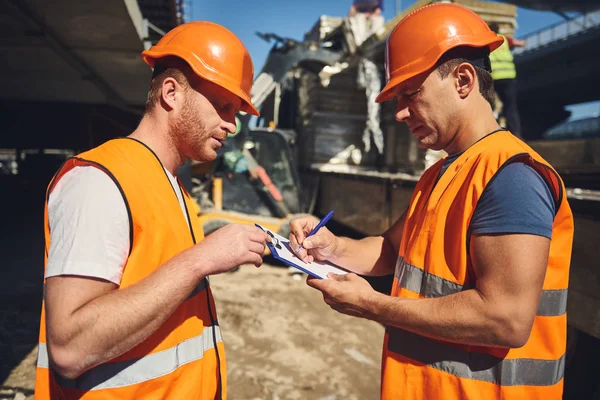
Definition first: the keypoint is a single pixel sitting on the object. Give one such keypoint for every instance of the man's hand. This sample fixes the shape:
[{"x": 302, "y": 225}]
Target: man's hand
[
  {"x": 374, "y": 256},
  {"x": 90, "y": 322},
  {"x": 229, "y": 247},
  {"x": 321, "y": 246},
  {"x": 512, "y": 42},
  {"x": 348, "y": 294}
]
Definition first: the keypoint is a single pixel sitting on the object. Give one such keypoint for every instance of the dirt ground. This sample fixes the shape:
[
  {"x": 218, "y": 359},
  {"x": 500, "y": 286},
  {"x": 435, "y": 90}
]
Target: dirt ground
[{"x": 282, "y": 342}]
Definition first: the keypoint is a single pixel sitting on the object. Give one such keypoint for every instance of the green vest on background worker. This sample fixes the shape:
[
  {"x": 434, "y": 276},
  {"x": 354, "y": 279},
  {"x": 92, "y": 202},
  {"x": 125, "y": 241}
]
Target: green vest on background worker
[
  {"x": 503, "y": 66},
  {"x": 504, "y": 74}
]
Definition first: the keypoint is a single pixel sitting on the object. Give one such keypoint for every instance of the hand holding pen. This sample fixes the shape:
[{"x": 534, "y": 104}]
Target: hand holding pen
[{"x": 321, "y": 224}]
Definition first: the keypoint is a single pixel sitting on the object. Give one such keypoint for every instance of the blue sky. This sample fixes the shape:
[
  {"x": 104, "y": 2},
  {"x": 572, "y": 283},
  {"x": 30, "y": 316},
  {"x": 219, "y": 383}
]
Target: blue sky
[{"x": 292, "y": 18}]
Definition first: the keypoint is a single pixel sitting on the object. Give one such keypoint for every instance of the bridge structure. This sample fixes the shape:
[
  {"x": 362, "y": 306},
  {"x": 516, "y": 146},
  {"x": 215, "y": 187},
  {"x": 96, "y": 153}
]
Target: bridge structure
[
  {"x": 71, "y": 71},
  {"x": 556, "y": 68}
]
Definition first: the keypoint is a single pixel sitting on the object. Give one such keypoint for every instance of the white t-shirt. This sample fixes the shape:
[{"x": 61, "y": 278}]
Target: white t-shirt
[{"x": 89, "y": 225}]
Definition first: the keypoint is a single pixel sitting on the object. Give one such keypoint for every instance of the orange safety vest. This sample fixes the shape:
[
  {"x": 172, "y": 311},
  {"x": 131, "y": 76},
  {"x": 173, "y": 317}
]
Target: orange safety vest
[
  {"x": 434, "y": 261},
  {"x": 179, "y": 360}
]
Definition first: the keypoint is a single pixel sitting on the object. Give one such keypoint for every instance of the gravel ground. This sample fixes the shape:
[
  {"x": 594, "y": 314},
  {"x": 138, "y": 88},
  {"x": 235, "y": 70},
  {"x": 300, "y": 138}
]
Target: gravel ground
[{"x": 282, "y": 341}]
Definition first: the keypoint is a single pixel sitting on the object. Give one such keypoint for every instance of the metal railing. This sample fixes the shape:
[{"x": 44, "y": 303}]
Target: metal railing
[{"x": 559, "y": 31}]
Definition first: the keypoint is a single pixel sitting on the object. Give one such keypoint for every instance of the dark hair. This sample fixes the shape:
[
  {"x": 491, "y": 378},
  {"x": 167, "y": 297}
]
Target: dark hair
[
  {"x": 494, "y": 27},
  {"x": 479, "y": 58}
]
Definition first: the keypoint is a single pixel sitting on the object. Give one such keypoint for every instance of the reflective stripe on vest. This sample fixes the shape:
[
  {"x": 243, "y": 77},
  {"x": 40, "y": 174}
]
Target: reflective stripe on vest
[
  {"x": 503, "y": 66},
  {"x": 131, "y": 372},
  {"x": 434, "y": 261},
  {"x": 472, "y": 365},
  {"x": 553, "y": 303}
]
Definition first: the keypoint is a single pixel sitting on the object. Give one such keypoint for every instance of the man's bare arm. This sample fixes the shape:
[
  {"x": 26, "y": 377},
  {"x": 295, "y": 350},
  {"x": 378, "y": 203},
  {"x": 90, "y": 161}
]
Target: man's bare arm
[
  {"x": 89, "y": 322},
  {"x": 499, "y": 311}
]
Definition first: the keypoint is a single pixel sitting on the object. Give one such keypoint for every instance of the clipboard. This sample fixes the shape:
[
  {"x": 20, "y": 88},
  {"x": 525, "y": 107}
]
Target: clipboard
[{"x": 281, "y": 250}]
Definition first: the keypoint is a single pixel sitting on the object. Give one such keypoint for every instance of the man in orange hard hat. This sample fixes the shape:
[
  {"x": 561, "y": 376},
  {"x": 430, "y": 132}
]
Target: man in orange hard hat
[
  {"x": 365, "y": 19},
  {"x": 128, "y": 312},
  {"x": 481, "y": 256}
]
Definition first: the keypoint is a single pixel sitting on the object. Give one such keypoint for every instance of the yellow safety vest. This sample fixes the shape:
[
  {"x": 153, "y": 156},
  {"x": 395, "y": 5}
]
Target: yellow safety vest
[{"x": 503, "y": 66}]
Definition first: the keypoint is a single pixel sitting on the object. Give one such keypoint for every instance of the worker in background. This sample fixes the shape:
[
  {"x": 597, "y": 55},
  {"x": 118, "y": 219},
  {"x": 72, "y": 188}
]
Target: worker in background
[
  {"x": 128, "y": 312},
  {"x": 504, "y": 74},
  {"x": 481, "y": 256},
  {"x": 368, "y": 7},
  {"x": 233, "y": 157},
  {"x": 365, "y": 19}
]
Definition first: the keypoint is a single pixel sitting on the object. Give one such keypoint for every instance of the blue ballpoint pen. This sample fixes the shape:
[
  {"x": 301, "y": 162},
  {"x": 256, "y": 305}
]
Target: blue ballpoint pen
[{"x": 321, "y": 224}]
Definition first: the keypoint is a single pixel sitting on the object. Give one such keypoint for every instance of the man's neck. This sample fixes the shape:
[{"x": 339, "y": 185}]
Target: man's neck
[
  {"x": 153, "y": 132},
  {"x": 477, "y": 123}
]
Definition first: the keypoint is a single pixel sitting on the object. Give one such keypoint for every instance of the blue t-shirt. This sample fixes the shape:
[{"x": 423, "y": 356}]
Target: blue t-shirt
[{"x": 517, "y": 200}]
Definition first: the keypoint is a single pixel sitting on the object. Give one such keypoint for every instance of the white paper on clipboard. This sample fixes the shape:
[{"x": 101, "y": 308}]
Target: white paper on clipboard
[{"x": 281, "y": 249}]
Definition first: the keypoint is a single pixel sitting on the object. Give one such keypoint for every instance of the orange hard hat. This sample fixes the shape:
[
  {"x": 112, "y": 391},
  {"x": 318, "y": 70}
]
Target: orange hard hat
[
  {"x": 424, "y": 35},
  {"x": 214, "y": 53}
]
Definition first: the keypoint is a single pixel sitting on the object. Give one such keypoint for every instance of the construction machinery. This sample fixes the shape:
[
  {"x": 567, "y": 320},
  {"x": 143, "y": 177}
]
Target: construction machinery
[
  {"x": 255, "y": 176},
  {"x": 253, "y": 180}
]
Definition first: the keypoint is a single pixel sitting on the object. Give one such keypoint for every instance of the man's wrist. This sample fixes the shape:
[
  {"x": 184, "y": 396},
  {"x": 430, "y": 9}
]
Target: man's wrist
[
  {"x": 338, "y": 249},
  {"x": 383, "y": 308},
  {"x": 188, "y": 260},
  {"x": 372, "y": 304}
]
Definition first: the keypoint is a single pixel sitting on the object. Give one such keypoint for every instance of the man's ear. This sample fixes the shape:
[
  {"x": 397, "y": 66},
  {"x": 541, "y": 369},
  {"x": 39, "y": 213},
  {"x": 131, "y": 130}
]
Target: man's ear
[
  {"x": 465, "y": 78},
  {"x": 170, "y": 93}
]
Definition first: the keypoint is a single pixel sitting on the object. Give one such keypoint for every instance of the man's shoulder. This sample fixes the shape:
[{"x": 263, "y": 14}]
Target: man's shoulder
[
  {"x": 520, "y": 183},
  {"x": 500, "y": 148},
  {"x": 109, "y": 146},
  {"x": 123, "y": 159},
  {"x": 518, "y": 171},
  {"x": 517, "y": 200},
  {"x": 89, "y": 226},
  {"x": 81, "y": 181}
]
